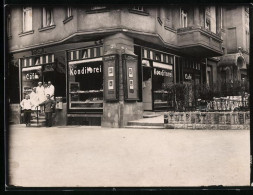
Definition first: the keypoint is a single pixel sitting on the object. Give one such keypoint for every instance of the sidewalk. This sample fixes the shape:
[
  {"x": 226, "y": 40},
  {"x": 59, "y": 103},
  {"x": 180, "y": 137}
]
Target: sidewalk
[{"x": 73, "y": 156}]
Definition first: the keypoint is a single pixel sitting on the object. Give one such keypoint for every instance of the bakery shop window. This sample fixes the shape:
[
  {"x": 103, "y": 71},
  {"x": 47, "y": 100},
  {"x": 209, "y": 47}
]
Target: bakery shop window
[
  {"x": 162, "y": 76},
  {"x": 85, "y": 84}
]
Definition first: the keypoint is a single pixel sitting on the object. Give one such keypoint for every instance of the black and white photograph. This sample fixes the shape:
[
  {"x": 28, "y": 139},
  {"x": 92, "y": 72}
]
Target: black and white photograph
[{"x": 179, "y": 115}]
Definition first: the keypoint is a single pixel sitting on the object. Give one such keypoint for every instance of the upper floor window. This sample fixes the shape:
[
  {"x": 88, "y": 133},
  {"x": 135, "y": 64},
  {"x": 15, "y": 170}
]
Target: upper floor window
[
  {"x": 47, "y": 17},
  {"x": 8, "y": 25},
  {"x": 183, "y": 18},
  {"x": 138, "y": 8},
  {"x": 208, "y": 18},
  {"x": 208, "y": 24},
  {"x": 94, "y": 8},
  {"x": 221, "y": 17},
  {"x": 69, "y": 12},
  {"x": 247, "y": 40},
  {"x": 27, "y": 19}
]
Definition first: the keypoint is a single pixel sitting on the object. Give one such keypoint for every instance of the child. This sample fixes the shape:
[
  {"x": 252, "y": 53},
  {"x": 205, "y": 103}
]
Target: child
[{"x": 26, "y": 105}]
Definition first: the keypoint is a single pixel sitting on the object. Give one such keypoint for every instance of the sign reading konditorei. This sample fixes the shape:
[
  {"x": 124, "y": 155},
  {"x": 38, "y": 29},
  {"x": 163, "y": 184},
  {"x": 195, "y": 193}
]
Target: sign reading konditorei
[
  {"x": 162, "y": 72},
  {"x": 83, "y": 69}
]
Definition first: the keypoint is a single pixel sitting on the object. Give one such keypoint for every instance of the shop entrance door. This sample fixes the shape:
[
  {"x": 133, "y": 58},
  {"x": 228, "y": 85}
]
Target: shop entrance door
[
  {"x": 58, "y": 80},
  {"x": 147, "y": 88}
]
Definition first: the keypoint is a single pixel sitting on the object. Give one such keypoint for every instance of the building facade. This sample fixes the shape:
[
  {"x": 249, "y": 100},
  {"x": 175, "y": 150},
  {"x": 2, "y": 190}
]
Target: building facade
[{"x": 109, "y": 64}]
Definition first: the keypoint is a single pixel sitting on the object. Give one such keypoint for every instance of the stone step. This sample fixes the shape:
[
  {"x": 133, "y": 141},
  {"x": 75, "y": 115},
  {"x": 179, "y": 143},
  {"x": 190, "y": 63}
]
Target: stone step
[
  {"x": 133, "y": 123},
  {"x": 38, "y": 125},
  {"x": 40, "y": 118},
  {"x": 35, "y": 121},
  {"x": 144, "y": 127},
  {"x": 151, "y": 115}
]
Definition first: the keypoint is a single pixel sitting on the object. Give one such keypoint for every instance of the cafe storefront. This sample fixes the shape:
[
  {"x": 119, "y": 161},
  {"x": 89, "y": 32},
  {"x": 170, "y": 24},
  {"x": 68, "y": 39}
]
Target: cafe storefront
[{"x": 38, "y": 68}]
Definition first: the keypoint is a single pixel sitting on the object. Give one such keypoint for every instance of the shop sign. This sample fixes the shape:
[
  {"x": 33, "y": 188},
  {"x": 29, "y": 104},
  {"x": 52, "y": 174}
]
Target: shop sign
[
  {"x": 85, "y": 70},
  {"x": 164, "y": 73},
  {"x": 31, "y": 76},
  {"x": 188, "y": 76}
]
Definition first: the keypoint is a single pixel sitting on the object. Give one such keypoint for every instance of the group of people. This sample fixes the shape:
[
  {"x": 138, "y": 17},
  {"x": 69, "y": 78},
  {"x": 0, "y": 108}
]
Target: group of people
[{"x": 41, "y": 98}]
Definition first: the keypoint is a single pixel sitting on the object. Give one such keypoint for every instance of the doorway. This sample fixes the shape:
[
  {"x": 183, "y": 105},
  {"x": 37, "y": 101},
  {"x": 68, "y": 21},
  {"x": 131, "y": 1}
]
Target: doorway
[
  {"x": 147, "y": 88},
  {"x": 58, "y": 80}
]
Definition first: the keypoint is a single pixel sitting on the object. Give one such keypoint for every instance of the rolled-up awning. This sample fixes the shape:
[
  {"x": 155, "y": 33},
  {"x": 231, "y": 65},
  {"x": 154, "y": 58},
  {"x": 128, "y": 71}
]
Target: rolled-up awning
[
  {"x": 31, "y": 68},
  {"x": 163, "y": 66},
  {"x": 233, "y": 60}
]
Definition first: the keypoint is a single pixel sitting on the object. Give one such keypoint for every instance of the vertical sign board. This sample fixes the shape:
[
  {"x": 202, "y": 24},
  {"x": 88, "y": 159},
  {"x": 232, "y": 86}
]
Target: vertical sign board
[
  {"x": 130, "y": 75},
  {"x": 111, "y": 77}
]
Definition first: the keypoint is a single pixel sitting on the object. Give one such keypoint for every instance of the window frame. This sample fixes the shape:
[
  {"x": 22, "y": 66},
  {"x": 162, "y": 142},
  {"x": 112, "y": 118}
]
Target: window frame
[
  {"x": 221, "y": 17},
  {"x": 45, "y": 11},
  {"x": 183, "y": 18},
  {"x": 68, "y": 14},
  {"x": 247, "y": 39},
  {"x": 26, "y": 11},
  {"x": 44, "y": 18},
  {"x": 208, "y": 18},
  {"x": 97, "y": 9},
  {"x": 8, "y": 25},
  {"x": 142, "y": 11}
]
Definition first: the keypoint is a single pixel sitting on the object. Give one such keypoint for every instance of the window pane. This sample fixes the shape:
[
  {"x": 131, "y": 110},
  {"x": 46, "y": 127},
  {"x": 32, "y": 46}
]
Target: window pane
[
  {"x": 47, "y": 17},
  {"x": 138, "y": 8},
  {"x": 69, "y": 11},
  {"x": 27, "y": 26},
  {"x": 86, "y": 85}
]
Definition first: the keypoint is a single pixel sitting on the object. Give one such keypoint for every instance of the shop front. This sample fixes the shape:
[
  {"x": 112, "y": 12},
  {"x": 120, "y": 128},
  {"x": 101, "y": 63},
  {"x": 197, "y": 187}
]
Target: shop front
[
  {"x": 85, "y": 85},
  {"x": 157, "y": 73},
  {"x": 38, "y": 68},
  {"x": 189, "y": 70}
]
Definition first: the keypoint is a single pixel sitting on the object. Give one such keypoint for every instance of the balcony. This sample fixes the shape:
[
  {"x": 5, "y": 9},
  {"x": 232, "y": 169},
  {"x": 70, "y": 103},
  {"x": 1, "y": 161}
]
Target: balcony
[{"x": 199, "y": 42}]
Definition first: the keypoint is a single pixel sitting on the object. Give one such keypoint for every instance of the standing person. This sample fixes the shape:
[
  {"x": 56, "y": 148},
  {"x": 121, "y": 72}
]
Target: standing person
[
  {"x": 49, "y": 106},
  {"x": 34, "y": 99},
  {"x": 26, "y": 105},
  {"x": 41, "y": 94},
  {"x": 51, "y": 90},
  {"x": 46, "y": 90}
]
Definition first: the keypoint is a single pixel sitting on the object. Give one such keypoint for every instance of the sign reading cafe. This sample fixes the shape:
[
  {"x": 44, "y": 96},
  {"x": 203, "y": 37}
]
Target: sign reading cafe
[{"x": 84, "y": 69}]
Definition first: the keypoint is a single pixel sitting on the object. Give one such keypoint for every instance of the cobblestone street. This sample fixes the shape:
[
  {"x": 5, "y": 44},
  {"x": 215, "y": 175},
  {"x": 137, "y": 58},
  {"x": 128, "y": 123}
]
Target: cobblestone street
[{"x": 94, "y": 156}]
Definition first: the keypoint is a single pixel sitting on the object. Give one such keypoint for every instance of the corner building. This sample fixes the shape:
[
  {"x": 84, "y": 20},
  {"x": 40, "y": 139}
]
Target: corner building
[{"x": 110, "y": 64}]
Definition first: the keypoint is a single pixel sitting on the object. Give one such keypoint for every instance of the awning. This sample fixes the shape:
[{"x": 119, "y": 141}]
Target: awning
[
  {"x": 233, "y": 60},
  {"x": 31, "y": 68},
  {"x": 163, "y": 66},
  {"x": 85, "y": 61}
]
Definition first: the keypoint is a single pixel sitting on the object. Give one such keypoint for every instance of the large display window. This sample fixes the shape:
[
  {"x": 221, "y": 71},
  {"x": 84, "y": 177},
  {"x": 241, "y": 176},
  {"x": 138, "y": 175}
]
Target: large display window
[
  {"x": 157, "y": 73},
  {"x": 85, "y": 84},
  {"x": 162, "y": 76},
  {"x": 30, "y": 78}
]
